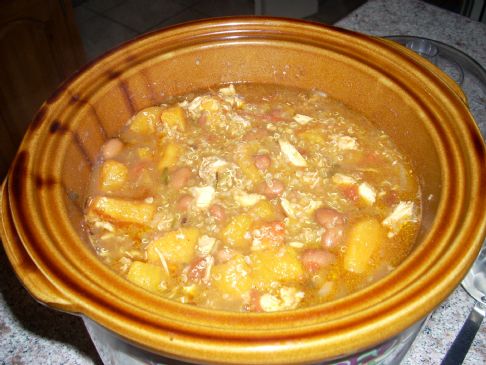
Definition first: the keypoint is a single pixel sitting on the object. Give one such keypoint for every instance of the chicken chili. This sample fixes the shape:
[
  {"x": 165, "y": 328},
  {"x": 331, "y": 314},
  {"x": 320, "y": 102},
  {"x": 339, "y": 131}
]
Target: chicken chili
[{"x": 257, "y": 198}]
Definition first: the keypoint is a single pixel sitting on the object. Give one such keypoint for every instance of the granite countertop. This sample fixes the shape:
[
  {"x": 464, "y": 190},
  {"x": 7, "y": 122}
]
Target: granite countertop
[{"x": 33, "y": 334}]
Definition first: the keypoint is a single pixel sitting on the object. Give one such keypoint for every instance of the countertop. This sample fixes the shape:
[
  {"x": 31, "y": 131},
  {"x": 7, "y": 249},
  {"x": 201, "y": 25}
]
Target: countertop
[{"x": 33, "y": 334}]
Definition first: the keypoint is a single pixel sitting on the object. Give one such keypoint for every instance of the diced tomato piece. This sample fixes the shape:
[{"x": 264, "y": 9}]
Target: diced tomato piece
[
  {"x": 350, "y": 192},
  {"x": 269, "y": 234},
  {"x": 255, "y": 296},
  {"x": 391, "y": 198},
  {"x": 372, "y": 158},
  {"x": 198, "y": 269}
]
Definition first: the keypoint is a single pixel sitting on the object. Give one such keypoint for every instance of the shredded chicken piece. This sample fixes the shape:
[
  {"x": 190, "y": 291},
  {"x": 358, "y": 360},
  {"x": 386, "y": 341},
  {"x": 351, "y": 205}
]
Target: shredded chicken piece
[
  {"x": 247, "y": 200},
  {"x": 269, "y": 303},
  {"x": 289, "y": 299},
  {"x": 228, "y": 91},
  {"x": 105, "y": 225},
  {"x": 367, "y": 192},
  {"x": 205, "y": 245},
  {"x": 203, "y": 195},
  {"x": 291, "y": 153},
  {"x": 402, "y": 213},
  {"x": 288, "y": 208},
  {"x": 162, "y": 260},
  {"x": 341, "y": 179},
  {"x": 345, "y": 142},
  {"x": 302, "y": 119}
]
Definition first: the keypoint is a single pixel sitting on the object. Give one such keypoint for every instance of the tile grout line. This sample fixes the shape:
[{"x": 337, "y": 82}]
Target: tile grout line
[
  {"x": 100, "y": 14},
  {"x": 107, "y": 17},
  {"x": 154, "y": 27}
]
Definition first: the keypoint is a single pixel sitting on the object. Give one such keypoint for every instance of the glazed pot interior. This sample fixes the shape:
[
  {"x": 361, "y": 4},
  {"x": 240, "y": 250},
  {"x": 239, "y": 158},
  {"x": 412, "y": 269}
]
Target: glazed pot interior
[
  {"x": 115, "y": 91},
  {"x": 408, "y": 98}
]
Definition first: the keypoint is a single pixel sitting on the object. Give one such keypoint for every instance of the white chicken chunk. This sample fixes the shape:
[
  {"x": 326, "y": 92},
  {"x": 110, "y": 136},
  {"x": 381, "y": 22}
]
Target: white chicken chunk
[
  {"x": 291, "y": 153},
  {"x": 228, "y": 91},
  {"x": 203, "y": 195},
  {"x": 247, "y": 200},
  {"x": 205, "y": 245},
  {"x": 269, "y": 303},
  {"x": 288, "y": 208},
  {"x": 302, "y": 119},
  {"x": 194, "y": 107},
  {"x": 345, "y": 142},
  {"x": 341, "y": 179},
  {"x": 402, "y": 213},
  {"x": 367, "y": 193},
  {"x": 289, "y": 299}
]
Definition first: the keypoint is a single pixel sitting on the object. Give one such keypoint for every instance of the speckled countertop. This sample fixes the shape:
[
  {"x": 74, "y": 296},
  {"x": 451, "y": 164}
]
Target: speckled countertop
[{"x": 33, "y": 334}]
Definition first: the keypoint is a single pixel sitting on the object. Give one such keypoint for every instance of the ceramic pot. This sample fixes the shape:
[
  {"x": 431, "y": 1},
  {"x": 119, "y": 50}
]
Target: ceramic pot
[{"x": 414, "y": 102}]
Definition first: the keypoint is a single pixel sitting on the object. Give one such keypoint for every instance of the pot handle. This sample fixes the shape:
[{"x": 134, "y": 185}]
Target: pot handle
[{"x": 28, "y": 273}]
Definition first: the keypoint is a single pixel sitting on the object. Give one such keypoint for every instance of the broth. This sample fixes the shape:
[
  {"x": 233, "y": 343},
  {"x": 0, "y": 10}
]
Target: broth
[{"x": 256, "y": 198}]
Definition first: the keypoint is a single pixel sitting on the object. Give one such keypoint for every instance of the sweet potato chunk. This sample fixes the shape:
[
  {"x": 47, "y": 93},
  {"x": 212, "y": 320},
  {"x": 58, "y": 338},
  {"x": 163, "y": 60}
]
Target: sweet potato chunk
[
  {"x": 113, "y": 175},
  {"x": 232, "y": 277},
  {"x": 237, "y": 233},
  {"x": 267, "y": 234},
  {"x": 275, "y": 266},
  {"x": 174, "y": 117},
  {"x": 170, "y": 154},
  {"x": 122, "y": 210},
  {"x": 147, "y": 276},
  {"x": 144, "y": 121},
  {"x": 363, "y": 239},
  {"x": 264, "y": 210},
  {"x": 178, "y": 247}
]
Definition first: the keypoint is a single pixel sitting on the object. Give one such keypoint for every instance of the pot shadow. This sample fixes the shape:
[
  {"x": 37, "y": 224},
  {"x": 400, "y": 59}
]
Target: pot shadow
[{"x": 38, "y": 319}]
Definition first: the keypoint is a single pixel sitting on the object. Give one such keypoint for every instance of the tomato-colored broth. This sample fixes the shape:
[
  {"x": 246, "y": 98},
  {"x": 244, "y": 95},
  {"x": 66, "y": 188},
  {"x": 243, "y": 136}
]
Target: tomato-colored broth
[{"x": 252, "y": 198}]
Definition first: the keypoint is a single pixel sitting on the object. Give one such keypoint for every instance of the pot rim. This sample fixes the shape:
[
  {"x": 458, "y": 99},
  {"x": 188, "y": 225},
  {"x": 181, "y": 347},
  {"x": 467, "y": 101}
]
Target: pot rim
[{"x": 80, "y": 283}]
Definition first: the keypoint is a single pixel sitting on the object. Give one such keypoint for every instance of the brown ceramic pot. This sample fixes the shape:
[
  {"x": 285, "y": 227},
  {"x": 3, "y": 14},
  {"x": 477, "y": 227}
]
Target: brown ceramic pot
[{"x": 416, "y": 104}]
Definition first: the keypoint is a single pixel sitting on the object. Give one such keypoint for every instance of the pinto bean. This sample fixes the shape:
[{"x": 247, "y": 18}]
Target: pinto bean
[
  {"x": 315, "y": 259},
  {"x": 180, "y": 177},
  {"x": 332, "y": 236},
  {"x": 111, "y": 148},
  {"x": 218, "y": 212},
  {"x": 333, "y": 223},
  {"x": 329, "y": 218},
  {"x": 184, "y": 202},
  {"x": 273, "y": 189},
  {"x": 203, "y": 119},
  {"x": 262, "y": 162}
]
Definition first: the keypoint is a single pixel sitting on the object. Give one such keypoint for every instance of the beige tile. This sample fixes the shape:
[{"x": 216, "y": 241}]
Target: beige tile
[{"x": 141, "y": 15}]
